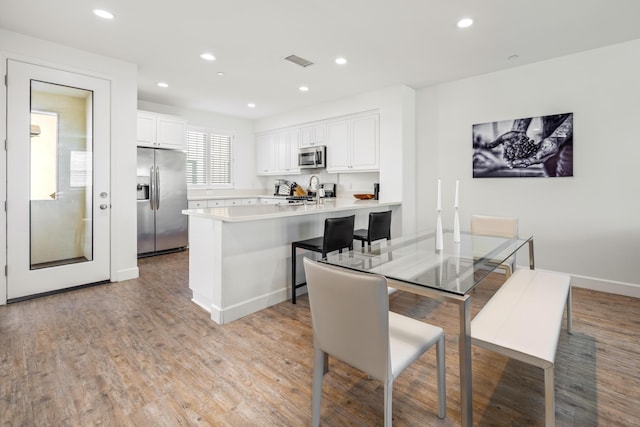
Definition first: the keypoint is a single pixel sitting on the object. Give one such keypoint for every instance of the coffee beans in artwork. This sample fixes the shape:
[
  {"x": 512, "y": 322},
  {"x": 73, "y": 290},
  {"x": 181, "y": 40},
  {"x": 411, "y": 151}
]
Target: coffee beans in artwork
[{"x": 521, "y": 148}]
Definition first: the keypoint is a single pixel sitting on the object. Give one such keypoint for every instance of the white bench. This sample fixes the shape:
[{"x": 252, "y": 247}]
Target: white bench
[{"x": 523, "y": 321}]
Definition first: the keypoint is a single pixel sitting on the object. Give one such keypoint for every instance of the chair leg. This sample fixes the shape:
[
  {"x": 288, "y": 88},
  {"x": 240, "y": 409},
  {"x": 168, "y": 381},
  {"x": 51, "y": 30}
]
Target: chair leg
[
  {"x": 316, "y": 392},
  {"x": 549, "y": 398},
  {"x": 293, "y": 274},
  {"x": 388, "y": 399},
  {"x": 442, "y": 381}
]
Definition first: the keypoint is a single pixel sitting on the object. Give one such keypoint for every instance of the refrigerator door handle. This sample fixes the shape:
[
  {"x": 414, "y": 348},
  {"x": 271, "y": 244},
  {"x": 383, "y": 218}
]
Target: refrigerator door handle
[
  {"x": 157, "y": 187},
  {"x": 152, "y": 188}
]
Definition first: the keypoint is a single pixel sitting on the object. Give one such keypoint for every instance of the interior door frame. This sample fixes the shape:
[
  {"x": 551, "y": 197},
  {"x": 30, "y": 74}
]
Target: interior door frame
[
  {"x": 3, "y": 180},
  {"x": 4, "y": 57}
]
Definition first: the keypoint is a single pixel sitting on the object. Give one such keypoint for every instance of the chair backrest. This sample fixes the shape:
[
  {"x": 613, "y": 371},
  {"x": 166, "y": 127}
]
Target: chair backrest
[
  {"x": 350, "y": 316},
  {"x": 338, "y": 234},
  {"x": 494, "y": 226},
  {"x": 379, "y": 226}
]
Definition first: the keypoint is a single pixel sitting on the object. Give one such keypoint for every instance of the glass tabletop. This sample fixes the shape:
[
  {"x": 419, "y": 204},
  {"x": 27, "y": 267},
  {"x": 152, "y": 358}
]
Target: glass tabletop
[{"x": 456, "y": 269}]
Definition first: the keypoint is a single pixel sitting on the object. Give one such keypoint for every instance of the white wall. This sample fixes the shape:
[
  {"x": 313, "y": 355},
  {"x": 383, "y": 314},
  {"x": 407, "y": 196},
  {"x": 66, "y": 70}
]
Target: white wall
[
  {"x": 397, "y": 123},
  {"x": 587, "y": 225},
  {"x": 244, "y": 166},
  {"x": 123, "y": 78}
]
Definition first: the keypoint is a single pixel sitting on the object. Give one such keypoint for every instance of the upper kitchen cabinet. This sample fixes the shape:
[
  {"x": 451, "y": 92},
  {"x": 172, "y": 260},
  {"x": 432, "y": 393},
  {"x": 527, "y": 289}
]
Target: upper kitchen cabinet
[
  {"x": 266, "y": 150},
  {"x": 311, "y": 136},
  {"x": 277, "y": 153},
  {"x": 288, "y": 151},
  {"x": 352, "y": 144},
  {"x": 161, "y": 131}
]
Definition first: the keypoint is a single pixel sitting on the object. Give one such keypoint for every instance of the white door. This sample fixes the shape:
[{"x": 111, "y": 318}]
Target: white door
[{"x": 58, "y": 210}]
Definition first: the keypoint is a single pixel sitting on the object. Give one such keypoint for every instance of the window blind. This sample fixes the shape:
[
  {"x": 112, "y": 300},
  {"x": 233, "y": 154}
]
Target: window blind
[{"x": 209, "y": 156}]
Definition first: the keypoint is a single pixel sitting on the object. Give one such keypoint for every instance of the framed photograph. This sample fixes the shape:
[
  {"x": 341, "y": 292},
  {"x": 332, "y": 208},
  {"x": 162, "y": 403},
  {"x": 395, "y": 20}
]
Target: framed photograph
[{"x": 531, "y": 147}]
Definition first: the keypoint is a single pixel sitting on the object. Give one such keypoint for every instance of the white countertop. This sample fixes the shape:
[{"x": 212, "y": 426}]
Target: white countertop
[{"x": 259, "y": 212}]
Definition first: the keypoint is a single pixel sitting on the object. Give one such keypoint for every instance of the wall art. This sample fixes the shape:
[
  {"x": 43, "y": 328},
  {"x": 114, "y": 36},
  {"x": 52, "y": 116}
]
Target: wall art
[{"x": 530, "y": 147}]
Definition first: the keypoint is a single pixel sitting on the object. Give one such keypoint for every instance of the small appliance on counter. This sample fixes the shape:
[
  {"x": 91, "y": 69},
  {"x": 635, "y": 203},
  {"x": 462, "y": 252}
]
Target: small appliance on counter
[
  {"x": 376, "y": 191},
  {"x": 282, "y": 187},
  {"x": 329, "y": 190}
]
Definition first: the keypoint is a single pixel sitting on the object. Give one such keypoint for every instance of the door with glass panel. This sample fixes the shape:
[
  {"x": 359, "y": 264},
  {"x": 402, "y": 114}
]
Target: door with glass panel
[{"x": 58, "y": 196}]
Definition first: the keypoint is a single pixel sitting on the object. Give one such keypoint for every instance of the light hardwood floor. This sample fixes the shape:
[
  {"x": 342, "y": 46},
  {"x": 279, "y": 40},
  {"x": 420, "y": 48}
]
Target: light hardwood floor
[{"x": 141, "y": 353}]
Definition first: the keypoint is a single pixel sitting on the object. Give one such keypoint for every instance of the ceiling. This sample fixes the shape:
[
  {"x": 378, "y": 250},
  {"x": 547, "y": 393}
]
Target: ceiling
[{"x": 386, "y": 42}]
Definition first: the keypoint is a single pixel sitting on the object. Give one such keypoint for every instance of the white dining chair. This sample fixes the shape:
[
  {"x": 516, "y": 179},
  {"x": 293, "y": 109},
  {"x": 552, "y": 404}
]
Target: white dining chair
[
  {"x": 351, "y": 321},
  {"x": 498, "y": 226}
]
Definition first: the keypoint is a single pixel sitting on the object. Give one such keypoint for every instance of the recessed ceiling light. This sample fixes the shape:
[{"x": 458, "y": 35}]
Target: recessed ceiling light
[
  {"x": 220, "y": 73},
  {"x": 465, "y": 22},
  {"x": 304, "y": 88},
  {"x": 103, "y": 14},
  {"x": 251, "y": 105},
  {"x": 163, "y": 84},
  {"x": 207, "y": 57},
  {"x": 341, "y": 61}
]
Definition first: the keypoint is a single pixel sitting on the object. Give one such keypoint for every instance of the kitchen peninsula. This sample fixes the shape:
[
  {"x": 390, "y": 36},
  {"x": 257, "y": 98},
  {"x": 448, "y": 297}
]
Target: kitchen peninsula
[{"x": 240, "y": 256}]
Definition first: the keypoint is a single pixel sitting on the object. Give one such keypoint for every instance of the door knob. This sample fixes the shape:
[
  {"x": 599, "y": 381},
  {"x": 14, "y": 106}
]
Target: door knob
[{"x": 103, "y": 206}]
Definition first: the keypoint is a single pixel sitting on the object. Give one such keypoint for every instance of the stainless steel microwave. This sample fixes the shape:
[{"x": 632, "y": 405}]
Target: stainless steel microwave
[{"x": 312, "y": 157}]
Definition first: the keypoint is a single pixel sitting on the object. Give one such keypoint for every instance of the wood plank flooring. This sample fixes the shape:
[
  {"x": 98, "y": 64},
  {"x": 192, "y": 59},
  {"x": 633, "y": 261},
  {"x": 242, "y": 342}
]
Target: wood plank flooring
[{"x": 140, "y": 353}]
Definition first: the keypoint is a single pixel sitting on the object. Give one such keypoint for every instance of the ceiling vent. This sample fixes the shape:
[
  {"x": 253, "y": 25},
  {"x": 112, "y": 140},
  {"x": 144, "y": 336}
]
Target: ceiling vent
[{"x": 298, "y": 61}]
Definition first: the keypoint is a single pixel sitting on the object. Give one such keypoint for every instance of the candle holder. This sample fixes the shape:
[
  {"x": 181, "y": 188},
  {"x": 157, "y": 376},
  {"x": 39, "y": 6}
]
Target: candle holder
[
  {"x": 456, "y": 226},
  {"x": 439, "y": 238}
]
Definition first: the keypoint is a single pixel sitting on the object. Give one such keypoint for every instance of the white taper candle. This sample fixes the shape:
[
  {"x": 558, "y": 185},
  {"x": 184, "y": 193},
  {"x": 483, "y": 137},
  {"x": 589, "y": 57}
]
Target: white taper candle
[
  {"x": 439, "y": 205},
  {"x": 455, "y": 203}
]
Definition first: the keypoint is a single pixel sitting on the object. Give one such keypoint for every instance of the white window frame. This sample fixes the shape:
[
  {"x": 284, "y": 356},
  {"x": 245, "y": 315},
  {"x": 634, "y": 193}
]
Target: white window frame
[{"x": 213, "y": 131}]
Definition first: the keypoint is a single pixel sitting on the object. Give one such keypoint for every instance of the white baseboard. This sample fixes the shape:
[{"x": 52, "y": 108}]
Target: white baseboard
[
  {"x": 247, "y": 307},
  {"x": 609, "y": 286},
  {"x": 603, "y": 285},
  {"x": 127, "y": 274}
]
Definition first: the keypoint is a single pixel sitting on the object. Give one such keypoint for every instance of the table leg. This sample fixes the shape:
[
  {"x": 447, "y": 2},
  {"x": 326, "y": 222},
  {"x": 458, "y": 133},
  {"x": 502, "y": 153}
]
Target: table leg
[{"x": 464, "y": 352}]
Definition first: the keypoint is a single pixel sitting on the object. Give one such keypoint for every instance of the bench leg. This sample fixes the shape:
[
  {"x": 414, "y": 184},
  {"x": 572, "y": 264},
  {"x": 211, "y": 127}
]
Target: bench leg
[
  {"x": 549, "y": 398},
  {"x": 569, "y": 315}
]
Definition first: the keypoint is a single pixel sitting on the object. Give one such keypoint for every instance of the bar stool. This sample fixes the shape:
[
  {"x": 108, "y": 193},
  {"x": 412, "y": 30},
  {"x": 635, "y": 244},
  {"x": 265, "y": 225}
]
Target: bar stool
[
  {"x": 338, "y": 234},
  {"x": 379, "y": 228}
]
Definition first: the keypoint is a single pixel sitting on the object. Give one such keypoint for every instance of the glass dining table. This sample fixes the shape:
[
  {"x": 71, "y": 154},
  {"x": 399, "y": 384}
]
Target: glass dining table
[{"x": 412, "y": 263}]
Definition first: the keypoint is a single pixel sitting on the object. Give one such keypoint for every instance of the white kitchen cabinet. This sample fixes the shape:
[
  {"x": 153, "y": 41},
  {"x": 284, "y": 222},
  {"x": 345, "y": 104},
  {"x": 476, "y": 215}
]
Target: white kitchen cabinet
[
  {"x": 270, "y": 200},
  {"x": 352, "y": 144},
  {"x": 241, "y": 202},
  {"x": 217, "y": 203},
  {"x": 266, "y": 150},
  {"x": 338, "y": 145},
  {"x": 288, "y": 151},
  {"x": 277, "y": 153},
  {"x": 161, "y": 131},
  {"x": 195, "y": 204},
  {"x": 311, "y": 136}
]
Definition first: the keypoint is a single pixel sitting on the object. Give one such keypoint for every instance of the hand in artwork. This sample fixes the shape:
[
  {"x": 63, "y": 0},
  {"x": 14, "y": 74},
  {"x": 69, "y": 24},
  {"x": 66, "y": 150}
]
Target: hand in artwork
[{"x": 548, "y": 147}]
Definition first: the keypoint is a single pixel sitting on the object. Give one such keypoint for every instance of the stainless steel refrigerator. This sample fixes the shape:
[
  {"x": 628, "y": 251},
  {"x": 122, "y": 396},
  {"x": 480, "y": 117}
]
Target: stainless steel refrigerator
[{"x": 162, "y": 195}]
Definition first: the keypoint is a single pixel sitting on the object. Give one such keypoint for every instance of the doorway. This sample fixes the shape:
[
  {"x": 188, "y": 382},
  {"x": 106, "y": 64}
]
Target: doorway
[{"x": 58, "y": 162}]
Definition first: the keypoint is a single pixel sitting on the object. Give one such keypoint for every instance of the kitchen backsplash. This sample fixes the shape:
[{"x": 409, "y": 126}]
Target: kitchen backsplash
[{"x": 347, "y": 183}]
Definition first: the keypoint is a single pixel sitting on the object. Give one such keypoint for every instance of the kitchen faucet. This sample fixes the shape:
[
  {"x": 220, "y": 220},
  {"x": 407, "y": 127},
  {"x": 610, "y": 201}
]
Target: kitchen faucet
[{"x": 317, "y": 187}]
